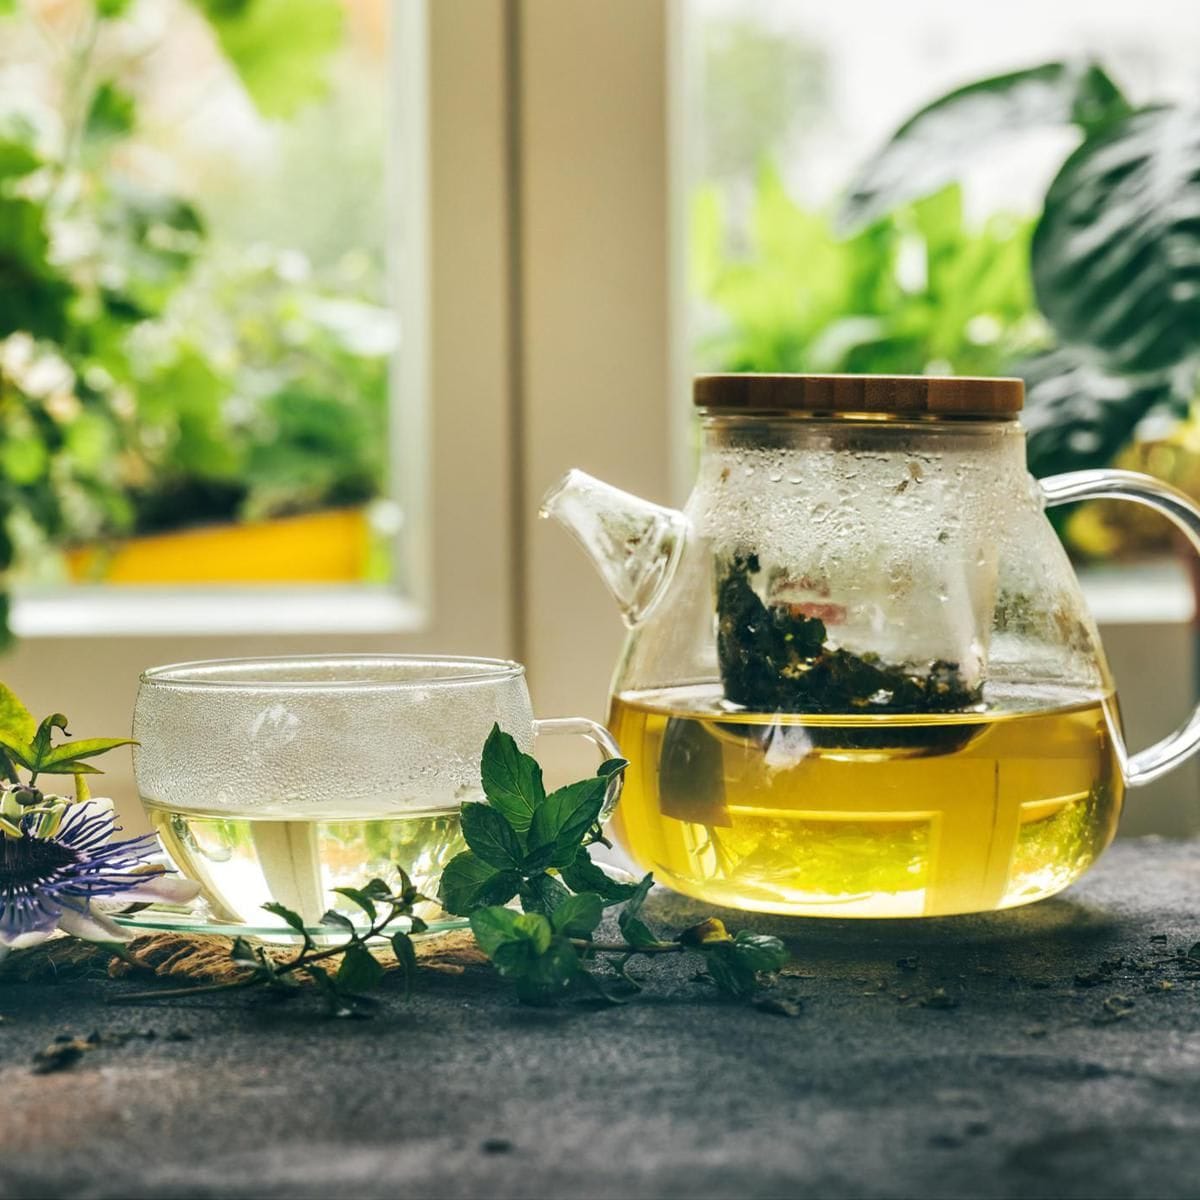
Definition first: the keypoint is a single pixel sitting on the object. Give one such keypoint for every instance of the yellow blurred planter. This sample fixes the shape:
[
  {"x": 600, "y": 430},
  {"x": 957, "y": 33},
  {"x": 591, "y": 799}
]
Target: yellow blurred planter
[{"x": 322, "y": 547}]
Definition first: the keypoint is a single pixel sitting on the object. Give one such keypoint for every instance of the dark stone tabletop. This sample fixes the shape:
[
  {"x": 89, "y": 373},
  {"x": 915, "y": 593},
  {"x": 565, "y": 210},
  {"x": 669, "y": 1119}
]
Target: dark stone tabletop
[{"x": 1050, "y": 1051}]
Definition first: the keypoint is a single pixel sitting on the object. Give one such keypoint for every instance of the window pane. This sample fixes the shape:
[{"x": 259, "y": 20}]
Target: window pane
[
  {"x": 196, "y": 330},
  {"x": 787, "y": 100}
]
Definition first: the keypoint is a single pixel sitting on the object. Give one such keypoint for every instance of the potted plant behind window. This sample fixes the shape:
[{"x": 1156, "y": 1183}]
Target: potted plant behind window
[
  {"x": 1115, "y": 264},
  {"x": 173, "y": 409}
]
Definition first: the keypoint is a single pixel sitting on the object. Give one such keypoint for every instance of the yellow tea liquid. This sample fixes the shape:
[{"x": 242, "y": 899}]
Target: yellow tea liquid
[
  {"x": 242, "y": 862},
  {"x": 867, "y": 815}
]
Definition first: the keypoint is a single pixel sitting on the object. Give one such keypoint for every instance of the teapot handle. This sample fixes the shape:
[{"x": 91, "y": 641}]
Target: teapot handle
[{"x": 1160, "y": 758}]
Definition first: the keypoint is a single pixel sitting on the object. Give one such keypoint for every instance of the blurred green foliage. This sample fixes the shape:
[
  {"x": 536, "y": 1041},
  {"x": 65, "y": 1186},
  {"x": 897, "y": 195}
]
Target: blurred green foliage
[
  {"x": 1115, "y": 254},
  {"x": 917, "y": 291},
  {"x": 151, "y": 376}
]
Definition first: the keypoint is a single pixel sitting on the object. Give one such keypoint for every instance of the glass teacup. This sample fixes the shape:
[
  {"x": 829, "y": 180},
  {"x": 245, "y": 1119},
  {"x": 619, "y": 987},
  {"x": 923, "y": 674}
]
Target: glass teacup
[{"x": 284, "y": 778}]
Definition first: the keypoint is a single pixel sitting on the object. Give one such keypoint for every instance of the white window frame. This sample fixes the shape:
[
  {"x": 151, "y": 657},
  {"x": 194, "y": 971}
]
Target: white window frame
[{"x": 453, "y": 436}]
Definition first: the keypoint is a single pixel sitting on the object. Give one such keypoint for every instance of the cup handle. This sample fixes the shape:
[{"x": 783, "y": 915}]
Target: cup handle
[
  {"x": 1176, "y": 747},
  {"x": 601, "y": 739}
]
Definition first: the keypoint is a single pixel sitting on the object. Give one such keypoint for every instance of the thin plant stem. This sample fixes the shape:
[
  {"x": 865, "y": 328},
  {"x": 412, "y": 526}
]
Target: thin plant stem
[{"x": 302, "y": 961}]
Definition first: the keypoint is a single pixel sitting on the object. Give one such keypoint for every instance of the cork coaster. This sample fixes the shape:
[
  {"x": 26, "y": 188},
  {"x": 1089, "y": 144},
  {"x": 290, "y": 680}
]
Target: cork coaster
[{"x": 202, "y": 958}]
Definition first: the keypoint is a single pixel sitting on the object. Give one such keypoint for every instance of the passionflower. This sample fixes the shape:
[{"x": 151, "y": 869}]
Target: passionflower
[{"x": 58, "y": 856}]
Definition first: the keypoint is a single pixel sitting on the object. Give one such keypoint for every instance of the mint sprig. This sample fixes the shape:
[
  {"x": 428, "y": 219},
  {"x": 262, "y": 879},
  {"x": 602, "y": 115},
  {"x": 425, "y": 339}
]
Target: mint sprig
[
  {"x": 533, "y": 846},
  {"x": 521, "y": 833},
  {"x": 345, "y": 989}
]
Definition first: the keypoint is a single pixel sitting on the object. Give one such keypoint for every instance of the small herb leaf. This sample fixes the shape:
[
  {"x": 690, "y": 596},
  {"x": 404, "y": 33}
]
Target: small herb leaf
[
  {"x": 406, "y": 957},
  {"x": 339, "y": 921},
  {"x": 294, "y": 919},
  {"x": 493, "y": 927},
  {"x": 536, "y": 928},
  {"x": 635, "y": 931},
  {"x": 578, "y": 916},
  {"x": 760, "y": 951},
  {"x": 359, "y": 897},
  {"x": 360, "y": 970}
]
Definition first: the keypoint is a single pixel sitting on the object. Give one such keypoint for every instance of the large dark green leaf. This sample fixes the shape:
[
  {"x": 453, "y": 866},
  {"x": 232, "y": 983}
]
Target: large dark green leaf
[
  {"x": 491, "y": 837},
  {"x": 542, "y": 894},
  {"x": 33, "y": 297},
  {"x": 1116, "y": 255},
  {"x": 111, "y": 114},
  {"x": 1077, "y": 414},
  {"x": 468, "y": 882},
  {"x": 512, "y": 780},
  {"x": 560, "y": 823},
  {"x": 930, "y": 148}
]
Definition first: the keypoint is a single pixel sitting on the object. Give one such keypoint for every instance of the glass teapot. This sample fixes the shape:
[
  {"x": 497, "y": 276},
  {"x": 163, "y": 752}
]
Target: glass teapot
[{"x": 860, "y": 677}]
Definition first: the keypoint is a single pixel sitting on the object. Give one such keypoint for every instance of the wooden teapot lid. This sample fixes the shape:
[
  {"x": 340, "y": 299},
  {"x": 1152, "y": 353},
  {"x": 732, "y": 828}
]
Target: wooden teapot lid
[{"x": 896, "y": 395}]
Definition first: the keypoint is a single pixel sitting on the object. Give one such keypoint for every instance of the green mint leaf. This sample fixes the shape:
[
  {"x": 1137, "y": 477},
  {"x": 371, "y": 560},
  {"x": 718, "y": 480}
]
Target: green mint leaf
[
  {"x": 360, "y": 970},
  {"x": 611, "y": 766},
  {"x": 339, "y": 921},
  {"x": 562, "y": 822},
  {"x": 635, "y": 931},
  {"x": 535, "y": 928},
  {"x": 542, "y": 894},
  {"x": 407, "y": 890},
  {"x": 493, "y": 927},
  {"x": 640, "y": 891},
  {"x": 512, "y": 781},
  {"x": 406, "y": 958},
  {"x": 416, "y": 925},
  {"x": 513, "y": 941},
  {"x": 584, "y": 876},
  {"x": 549, "y": 973},
  {"x": 337, "y": 1004},
  {"x": 514, "y": 959},
  {"x": 377, "y": 889},
  {"x": 578, "y": 916},
  {"x": 491, "y": 837},
  {"x": 731, "y": 976},
  {"x": 294, "y": 919},
  {"x": 760, "y": 951},
  {"x": 245, "y": 955},
  {"x": 359, "y": 897},
  {"x": 469, "y": 883},
  {"x": 734, "y": 965}
]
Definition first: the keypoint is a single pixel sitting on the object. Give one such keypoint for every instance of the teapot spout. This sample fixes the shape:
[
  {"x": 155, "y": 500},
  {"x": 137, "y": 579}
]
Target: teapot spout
[{"x": 635, "y": 545}]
